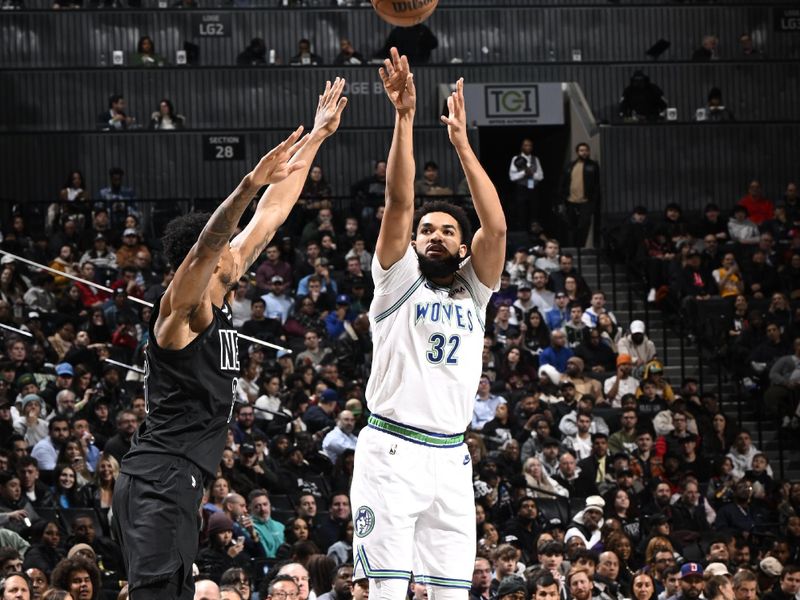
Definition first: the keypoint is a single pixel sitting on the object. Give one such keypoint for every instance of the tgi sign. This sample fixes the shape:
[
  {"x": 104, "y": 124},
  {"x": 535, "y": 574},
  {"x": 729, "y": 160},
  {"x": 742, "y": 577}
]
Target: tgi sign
[
  {"x": 515, "y": 103},
  {"x": 787, "y": 20}
]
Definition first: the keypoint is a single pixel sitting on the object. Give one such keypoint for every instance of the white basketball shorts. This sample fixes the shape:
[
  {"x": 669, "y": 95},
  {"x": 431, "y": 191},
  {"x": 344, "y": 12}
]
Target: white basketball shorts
[{"x": 413, "y": 506}]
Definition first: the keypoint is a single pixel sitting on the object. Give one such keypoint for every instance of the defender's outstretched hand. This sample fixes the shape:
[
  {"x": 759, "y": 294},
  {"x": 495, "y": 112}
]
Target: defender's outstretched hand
[
  {"x": 398, "y": 81},
  {"x": 274, "y": 166},
  {"x": 456, "y": 121},
  {"x": 329, "y": 108}
]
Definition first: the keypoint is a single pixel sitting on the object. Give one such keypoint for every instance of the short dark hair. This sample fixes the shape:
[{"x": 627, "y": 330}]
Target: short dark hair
[
  {"x": 114, "y": 98},
  {"x": 577, "y": 147},
  {"x": 26, "y": 461},
  {"x": 542, "y": 581},
  {"x": 57, "y": 419},
  {"x": 451, "y": 209},
  {"x": 181, "y": 234}
]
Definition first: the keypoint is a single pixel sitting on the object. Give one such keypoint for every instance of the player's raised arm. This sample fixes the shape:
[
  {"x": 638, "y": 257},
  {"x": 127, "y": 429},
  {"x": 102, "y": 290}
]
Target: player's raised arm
[
  {"x": 279, "y": 199},
  {"x": 395, "y": 230},
  {"x": 188, "y": 289},
  {"x": 489, "y": 242}
]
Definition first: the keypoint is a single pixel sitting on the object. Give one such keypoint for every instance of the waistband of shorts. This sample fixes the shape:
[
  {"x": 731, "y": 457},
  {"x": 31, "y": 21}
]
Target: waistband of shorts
[{"x": 414, "y": 434}]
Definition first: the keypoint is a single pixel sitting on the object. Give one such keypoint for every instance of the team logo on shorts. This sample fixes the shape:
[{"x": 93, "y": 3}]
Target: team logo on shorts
[{"x": 364, "y": 521}]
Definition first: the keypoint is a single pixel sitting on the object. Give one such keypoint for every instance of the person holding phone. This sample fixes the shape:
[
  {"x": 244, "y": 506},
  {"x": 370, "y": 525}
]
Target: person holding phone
[{"x": 224, "y": 551}]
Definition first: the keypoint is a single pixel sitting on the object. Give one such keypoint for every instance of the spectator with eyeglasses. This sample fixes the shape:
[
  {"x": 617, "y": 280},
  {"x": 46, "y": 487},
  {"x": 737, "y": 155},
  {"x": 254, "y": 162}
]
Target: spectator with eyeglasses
[{"x": 283, "y": 587}]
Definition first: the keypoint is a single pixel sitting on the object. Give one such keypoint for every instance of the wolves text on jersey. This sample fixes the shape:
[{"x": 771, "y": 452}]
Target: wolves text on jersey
[{"x": 454, "y": 315}]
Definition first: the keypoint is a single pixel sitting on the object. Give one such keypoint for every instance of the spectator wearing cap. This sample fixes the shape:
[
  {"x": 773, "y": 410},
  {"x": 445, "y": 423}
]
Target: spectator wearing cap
[
  {"x": 587, "y": 522},
  {"x": 585, "y": 386},
  {"x": 251, "y": 474},
  {"x": 119, "y": 306},
  {"x": 523, "y": 305},
  {"x": 321, "y": 416},
  {"x": 692, "y": 582},
  {"x": 485, "y": 404},
  {"x": 31, "y": 424},
  {"x": 557, "y": 317},
  {"x": 622, "y": 382},
  {"x": 654, "y": 372},
  {"x": 341, "y": 437},
  {"x": 637, "y": 345},
  {"x": 278, "y": 302},
  {"x": 223, "y": 551},
  {"x": 335, "y": 320},
  {"x": 787, "y": 587},
  {"x": 64, "y": 378},
  {"x": 512, "y": 588},
  {"x": 131, "y": 245},
  {"x": 100, "y": 254}
]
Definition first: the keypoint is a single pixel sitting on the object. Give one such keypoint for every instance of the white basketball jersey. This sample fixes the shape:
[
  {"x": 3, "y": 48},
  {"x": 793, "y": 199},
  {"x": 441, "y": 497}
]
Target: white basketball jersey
[{"x": 427, "y": 346}]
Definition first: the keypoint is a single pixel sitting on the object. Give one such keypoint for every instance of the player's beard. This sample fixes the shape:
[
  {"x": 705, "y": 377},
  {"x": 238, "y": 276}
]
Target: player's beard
[{"x": 438, "y": 268}]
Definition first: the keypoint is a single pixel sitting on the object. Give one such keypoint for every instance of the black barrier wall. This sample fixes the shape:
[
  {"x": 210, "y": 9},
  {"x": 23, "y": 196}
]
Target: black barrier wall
[
  {"x": 649, "y": 165},
  {"x": 492, "y": 33},
  {"x": 693, "y": 165},
  {"x": 71, "y": 100}
]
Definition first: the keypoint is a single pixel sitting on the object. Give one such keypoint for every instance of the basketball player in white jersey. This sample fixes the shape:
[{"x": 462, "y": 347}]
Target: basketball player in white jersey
[{"x": 412, "y": 486}]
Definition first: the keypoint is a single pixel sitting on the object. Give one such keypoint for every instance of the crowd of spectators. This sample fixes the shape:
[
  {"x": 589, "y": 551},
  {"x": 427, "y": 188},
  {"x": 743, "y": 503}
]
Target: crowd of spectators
[{"x": 590, "y": 465}]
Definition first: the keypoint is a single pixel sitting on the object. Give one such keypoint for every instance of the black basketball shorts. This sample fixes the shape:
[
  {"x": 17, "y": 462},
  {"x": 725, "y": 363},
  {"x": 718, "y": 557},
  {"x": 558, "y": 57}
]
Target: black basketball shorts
[{"x": 155, "y": 519}]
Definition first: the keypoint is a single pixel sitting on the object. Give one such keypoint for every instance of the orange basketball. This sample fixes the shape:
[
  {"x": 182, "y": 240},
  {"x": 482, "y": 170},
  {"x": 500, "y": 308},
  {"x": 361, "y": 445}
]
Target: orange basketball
[{"x": 404, "y": 13}]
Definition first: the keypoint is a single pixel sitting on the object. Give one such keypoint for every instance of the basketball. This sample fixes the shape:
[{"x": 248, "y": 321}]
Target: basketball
[{"x": 404, "y": 13}]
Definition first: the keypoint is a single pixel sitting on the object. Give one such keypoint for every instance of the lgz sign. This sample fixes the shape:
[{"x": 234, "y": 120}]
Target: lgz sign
[
  {"x": 212, "y": 24},
  {"x": 787, "y": 20}
]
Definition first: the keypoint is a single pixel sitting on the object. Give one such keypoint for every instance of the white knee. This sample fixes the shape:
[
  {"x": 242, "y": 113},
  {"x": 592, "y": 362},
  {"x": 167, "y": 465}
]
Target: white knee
[
  {"x": 388, "y": 589},
  {"x": 443, "y": 593}
]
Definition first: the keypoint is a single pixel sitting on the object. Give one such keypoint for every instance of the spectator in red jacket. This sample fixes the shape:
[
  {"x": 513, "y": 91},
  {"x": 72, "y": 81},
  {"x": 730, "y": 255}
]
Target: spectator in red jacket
[{"x": 759, "y": 208}]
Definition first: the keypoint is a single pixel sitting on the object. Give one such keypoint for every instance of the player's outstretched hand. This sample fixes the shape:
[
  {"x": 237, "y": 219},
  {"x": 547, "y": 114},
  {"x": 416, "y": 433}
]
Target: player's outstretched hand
[
  {"x": 274, "y": 166},
  {"x": 329, "y": 108},
  {"x": 398, "y": 81},
  {"x": 456, "y": 120}
]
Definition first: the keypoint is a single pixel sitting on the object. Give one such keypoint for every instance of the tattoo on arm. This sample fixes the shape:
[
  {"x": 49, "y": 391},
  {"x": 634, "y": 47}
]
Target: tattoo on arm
[{"x": 223, "y": 222}]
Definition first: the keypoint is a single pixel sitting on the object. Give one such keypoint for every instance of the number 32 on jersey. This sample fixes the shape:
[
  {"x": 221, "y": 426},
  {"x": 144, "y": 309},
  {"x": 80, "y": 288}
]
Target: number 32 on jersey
[{"x": 443, "y": 349}]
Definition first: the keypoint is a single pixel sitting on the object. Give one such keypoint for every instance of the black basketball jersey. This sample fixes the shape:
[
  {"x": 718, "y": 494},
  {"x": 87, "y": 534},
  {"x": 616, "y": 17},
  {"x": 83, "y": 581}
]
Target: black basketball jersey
[{"x": 190, "y": 395}]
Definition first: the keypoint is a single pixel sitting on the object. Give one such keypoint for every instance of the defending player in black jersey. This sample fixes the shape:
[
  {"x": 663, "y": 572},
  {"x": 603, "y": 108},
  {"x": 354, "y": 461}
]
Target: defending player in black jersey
[{"x": 192, "y": 366}]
